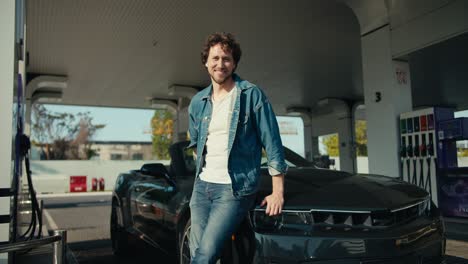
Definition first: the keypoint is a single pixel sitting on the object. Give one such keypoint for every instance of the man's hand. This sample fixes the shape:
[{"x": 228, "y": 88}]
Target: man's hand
[
  {"x": 275, "y": 200},
  {"x": 274, "y": 203}
]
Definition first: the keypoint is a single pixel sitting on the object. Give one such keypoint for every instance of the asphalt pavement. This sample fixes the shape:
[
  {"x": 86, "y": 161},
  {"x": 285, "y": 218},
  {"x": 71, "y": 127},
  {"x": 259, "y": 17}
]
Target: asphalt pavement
[{"x": 86, "y": 219}]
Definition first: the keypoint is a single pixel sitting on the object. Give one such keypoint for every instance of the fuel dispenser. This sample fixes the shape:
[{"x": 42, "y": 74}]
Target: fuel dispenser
[
  {"x": 420, "y": 157},
  {"x": 428, "y": 155},
  {"x": 453, "y": 179}
]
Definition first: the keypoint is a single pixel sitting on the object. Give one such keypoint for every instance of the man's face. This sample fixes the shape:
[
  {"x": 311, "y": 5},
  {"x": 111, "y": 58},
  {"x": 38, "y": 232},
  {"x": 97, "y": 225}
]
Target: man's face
[{"x": 220, "y": 64}]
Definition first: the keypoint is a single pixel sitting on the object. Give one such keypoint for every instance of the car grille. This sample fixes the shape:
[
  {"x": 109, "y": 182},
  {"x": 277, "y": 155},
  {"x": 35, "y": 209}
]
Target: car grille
[
  {"x": 338, "y": 219},
  {"x": 399, "y": 260},
  {"x": 368, "y": 219}
]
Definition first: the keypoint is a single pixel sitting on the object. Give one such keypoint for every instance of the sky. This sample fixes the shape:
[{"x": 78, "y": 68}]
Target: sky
[
  {"x": 461, "y": 114},
  {"x": 122, "y": 124}
]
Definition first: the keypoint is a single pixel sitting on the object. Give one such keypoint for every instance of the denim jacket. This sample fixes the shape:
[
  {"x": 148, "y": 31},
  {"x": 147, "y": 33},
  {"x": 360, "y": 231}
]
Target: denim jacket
[{"x": 253, "y": 127}]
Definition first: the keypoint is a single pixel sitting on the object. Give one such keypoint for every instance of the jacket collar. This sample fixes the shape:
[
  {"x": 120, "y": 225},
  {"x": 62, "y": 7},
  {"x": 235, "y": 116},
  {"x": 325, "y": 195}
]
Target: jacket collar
[{"x": 240, "y": 84}]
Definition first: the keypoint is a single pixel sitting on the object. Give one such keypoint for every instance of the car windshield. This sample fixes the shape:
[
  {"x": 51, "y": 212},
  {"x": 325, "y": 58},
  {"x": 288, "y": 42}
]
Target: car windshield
[{"x": 292, "y": 159}]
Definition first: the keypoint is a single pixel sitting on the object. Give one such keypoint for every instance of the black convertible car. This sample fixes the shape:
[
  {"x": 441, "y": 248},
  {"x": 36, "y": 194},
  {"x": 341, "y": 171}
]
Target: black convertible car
[{"x": 329, "y": 216}]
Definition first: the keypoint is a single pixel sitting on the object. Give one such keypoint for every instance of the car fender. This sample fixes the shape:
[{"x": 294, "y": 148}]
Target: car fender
[
  {"x": 120, "y": 193},
  {"x": 116, "y": 202}
]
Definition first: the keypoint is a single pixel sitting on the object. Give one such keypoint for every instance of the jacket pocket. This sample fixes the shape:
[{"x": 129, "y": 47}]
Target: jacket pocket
[{"x": 243, "y": 123}]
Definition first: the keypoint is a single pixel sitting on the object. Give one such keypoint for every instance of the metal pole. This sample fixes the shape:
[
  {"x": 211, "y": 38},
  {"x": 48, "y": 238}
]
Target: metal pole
[
  {"x": 60, "y": 252},
  {"x": 41, "y": 217}
]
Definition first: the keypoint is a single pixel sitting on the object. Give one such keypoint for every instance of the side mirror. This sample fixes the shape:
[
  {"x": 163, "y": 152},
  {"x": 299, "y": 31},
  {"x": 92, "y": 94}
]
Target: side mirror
[
  {"x": 154, "y": 169},
  {"x": 157, "y": 170}
]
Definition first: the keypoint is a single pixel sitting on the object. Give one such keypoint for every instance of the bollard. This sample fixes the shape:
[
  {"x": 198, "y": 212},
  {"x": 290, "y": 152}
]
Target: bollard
[
  {"x": 94, "y": 184},
  {"x": 101, "y": 184},
  {"x": 60, "y": 252}
]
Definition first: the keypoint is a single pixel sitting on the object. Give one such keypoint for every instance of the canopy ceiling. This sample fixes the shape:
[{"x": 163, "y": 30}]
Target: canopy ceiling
[{"x": 120, "y": 53}]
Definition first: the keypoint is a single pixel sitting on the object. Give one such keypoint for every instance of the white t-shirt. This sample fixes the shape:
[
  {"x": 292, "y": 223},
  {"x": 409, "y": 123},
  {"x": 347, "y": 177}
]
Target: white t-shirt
[{"x": 216, "y": 159}]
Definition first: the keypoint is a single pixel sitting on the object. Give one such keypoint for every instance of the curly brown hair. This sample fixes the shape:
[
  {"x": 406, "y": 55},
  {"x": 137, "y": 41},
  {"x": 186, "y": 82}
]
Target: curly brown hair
[{"x": 228, "y": 42}]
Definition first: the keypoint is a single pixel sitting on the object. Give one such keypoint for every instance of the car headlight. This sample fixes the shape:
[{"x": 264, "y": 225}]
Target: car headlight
[
  {"x": 287, "y": 218},
  {"x": 424, "y": 208}
]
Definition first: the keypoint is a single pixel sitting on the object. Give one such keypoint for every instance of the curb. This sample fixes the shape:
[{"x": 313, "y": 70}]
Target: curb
[{"x": 58, "y": 195}]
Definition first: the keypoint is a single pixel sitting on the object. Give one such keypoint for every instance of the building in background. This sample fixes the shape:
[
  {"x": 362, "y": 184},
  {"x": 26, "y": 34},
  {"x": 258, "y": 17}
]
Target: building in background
[
  {"x": 122, "y": 150},
  {"x": 110, "y": 150}
]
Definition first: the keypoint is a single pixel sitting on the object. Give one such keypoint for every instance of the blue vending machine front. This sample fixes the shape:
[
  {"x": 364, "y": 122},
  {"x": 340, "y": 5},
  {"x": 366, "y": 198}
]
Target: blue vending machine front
[{"x": 452, "y": 176}]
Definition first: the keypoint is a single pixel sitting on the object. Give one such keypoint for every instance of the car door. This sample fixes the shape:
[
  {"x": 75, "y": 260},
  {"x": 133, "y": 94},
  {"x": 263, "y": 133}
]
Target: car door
[{"x": 150, "y": 197}]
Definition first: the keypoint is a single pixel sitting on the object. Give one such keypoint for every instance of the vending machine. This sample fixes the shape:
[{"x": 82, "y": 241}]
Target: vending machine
[
  {"x": 452, "y": 176},
  {"x": 419, "y": 154},
  {"x": 428, "y": 155}
]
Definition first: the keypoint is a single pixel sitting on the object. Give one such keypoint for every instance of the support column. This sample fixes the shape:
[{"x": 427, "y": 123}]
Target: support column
[
  {"x": 315, "y": 145},
  {"x": 345, "y": 141},
  {"x": 7, "y": 73},
  {"x": 28, "y": 118},
  {"x": 310, "y": 145},
  {"x": 387, "y": 93},
  {"x": 185, "y": 94},
  {"x": 182, "y": 125},
  {"x": 334, "y": 116},
  {"x": 182, "y": 120}
]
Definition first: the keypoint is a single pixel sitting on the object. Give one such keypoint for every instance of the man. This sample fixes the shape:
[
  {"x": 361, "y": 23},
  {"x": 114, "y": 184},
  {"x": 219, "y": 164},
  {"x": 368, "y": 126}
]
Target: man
[{"x": 230, "y": 122}]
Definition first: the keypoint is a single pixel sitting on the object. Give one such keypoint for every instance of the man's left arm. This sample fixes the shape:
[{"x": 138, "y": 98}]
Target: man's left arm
[
  {"x": 275, "y": 200},
  {"x": 268, "y": 131}
]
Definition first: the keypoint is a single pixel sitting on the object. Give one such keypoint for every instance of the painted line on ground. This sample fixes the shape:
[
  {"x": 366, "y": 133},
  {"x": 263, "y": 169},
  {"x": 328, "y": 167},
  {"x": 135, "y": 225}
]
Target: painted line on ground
[{"x": 50, "y": 220}]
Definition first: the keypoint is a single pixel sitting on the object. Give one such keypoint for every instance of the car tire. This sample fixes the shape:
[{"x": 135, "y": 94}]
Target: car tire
[
  {"x": 183, "y": 246},
  {"x": 119, "y": 237},
  {"x": 184, "y": 249}
]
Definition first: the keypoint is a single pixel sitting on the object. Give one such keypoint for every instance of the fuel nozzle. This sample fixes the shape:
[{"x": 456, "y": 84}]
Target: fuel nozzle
[
  {"x": 409, "y": 147},
  {"x": 403, "y": 147},
  {"x": 423, "y": 147},
  {"x": 416, "y": 146},
  {"x": 430, "y": 145}
]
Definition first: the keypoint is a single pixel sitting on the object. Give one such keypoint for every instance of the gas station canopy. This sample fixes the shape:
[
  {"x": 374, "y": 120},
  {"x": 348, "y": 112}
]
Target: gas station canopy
[{"x": 123, "y": 53}]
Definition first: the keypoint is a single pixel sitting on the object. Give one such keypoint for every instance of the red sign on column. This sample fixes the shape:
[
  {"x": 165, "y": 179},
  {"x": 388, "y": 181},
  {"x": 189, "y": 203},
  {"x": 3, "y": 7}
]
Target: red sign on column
[{"x": 401, "y": 76}]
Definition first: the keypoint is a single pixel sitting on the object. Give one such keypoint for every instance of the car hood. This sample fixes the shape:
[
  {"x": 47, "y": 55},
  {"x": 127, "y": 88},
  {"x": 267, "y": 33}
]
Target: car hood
[{"x": 311, "y": 188}]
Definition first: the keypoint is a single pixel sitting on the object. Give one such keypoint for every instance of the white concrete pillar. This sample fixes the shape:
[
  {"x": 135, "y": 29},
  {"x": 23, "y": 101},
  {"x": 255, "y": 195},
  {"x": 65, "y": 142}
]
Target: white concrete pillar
[
  {"x": 7, "y": 73},
  {"x": 185, "y": 94},
  {"x": 309, "y": 147},
  {"x": 387, "y": 93},
  {"x": 28, "y": 118},
  {"x": 345, "y": 141},
  {"x": 331, "y": 116},
  {"x": 182, "y": 119},
  {"x": 182, "y": 124}
]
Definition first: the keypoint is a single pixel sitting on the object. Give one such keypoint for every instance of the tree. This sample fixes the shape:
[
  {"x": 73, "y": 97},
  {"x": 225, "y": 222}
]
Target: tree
[
  {"x": 162, "y": 128},
  {"x": 87, "y": 130},
  {"x": 331, "y": 144},
  {"x": 361, "y": 138},
  {"x": 62, "y": 136},
  {"x": 462, "y": 152}
]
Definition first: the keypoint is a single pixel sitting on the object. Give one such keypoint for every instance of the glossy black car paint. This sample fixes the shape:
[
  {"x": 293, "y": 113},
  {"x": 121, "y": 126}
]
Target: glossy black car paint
[{"x": 155, "y": 207}]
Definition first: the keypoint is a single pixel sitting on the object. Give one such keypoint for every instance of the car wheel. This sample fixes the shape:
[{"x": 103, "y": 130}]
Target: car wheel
[
  {"x": 119, "y": 236},
  {"x": 184, "y": 247},
  {"x": 231, "y": 254}
]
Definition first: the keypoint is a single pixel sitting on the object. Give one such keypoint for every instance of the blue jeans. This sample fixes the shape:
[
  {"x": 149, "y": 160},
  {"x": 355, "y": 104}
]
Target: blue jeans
[{"x": 215, "y": 216}]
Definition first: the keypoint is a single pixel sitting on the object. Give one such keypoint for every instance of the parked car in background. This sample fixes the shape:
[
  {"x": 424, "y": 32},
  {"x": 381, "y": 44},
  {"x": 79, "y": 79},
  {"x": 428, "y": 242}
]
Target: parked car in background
[{"x": 329, "y": 216}]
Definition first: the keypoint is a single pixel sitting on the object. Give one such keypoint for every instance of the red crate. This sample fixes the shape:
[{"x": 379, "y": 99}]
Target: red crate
[{"x": 78, "y": 184}]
